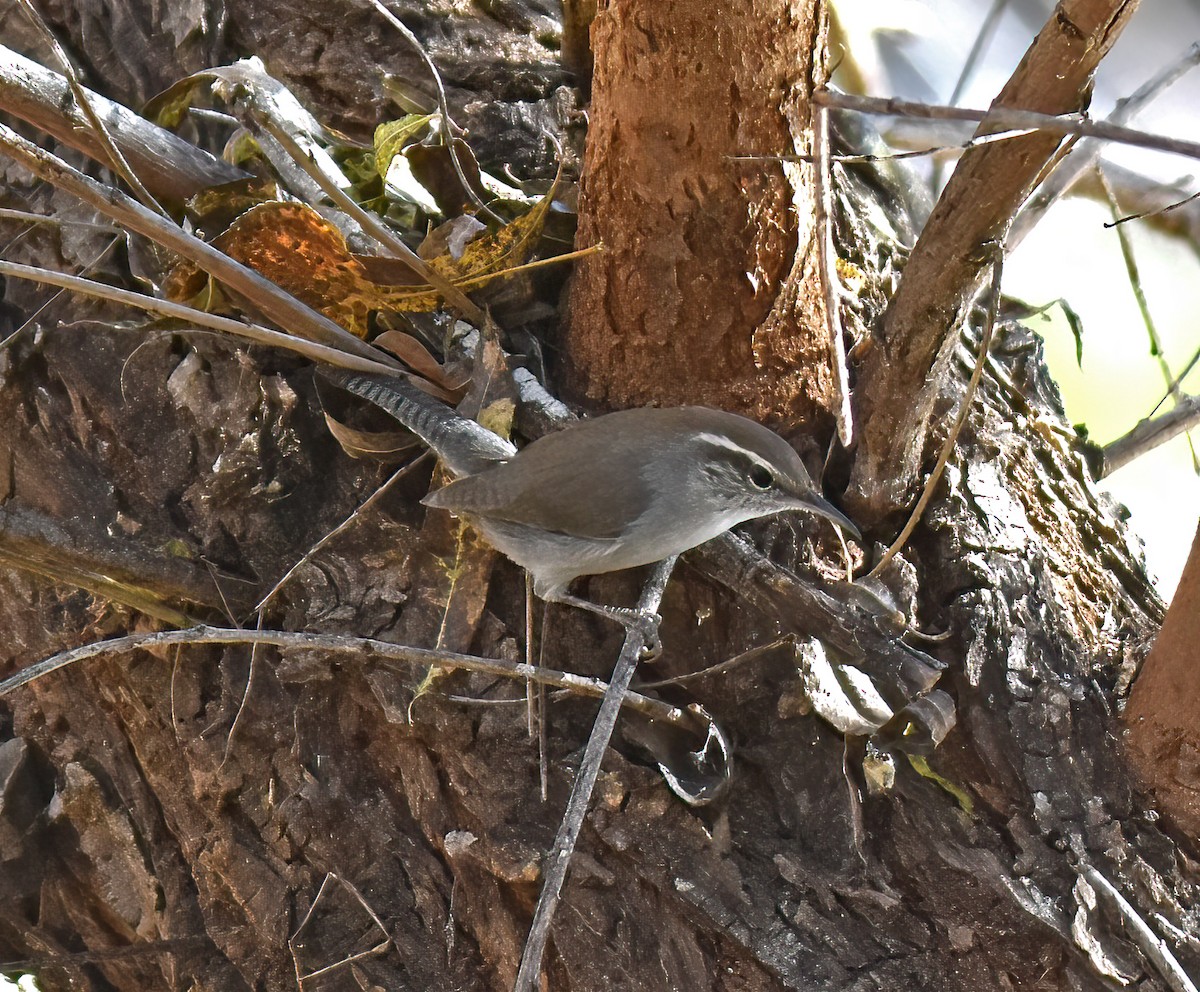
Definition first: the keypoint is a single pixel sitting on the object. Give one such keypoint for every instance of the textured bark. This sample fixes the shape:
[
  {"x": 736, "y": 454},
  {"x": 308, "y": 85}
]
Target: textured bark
[
  {"x": 168, "y": 821},
  {"x": 707, "y": 289},
  {"x": 1163, "y": 707},
  {"x": 896, "y": 400}
]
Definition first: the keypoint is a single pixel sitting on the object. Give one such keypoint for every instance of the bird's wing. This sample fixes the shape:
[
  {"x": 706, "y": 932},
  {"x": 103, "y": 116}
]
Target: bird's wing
[{"x": 598, "y": 504}]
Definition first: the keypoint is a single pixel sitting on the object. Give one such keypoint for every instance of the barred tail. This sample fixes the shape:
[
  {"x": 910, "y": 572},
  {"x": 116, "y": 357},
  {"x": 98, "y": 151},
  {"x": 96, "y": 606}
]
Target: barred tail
[{"x": 463, "y": 445}]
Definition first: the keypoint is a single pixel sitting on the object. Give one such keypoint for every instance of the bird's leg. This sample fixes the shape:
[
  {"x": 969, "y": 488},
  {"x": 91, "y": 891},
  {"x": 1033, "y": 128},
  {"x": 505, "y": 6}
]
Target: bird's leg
[{"x": 645, "y": 623}]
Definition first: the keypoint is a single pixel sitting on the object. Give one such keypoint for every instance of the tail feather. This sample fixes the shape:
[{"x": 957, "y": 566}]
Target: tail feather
[{"x": 464, "y": 446}]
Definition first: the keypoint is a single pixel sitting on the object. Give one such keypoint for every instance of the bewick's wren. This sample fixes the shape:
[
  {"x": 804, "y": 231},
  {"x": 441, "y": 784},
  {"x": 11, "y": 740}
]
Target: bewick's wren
[{"x": 616, "y": 491}]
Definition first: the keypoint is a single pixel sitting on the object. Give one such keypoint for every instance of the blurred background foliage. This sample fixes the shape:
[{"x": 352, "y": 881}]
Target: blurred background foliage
[{"x": 923, "y": 50}]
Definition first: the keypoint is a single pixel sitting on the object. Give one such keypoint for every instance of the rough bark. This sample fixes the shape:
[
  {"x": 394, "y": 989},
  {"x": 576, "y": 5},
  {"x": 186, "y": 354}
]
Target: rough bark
[
  {"x": 167, "y": 822},
  {"x": 1161, "y": 715},
  {"x": 896, "y": 400},
  {"x": 707, "y": 289}
]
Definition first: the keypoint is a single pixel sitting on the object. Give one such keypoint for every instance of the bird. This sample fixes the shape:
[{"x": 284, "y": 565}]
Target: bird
[{"x": 605, "y": 493}]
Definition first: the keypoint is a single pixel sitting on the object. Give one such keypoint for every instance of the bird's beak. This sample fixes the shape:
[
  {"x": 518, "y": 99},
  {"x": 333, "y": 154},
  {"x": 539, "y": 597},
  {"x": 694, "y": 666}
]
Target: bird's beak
[{"x": 822, "y": 507}]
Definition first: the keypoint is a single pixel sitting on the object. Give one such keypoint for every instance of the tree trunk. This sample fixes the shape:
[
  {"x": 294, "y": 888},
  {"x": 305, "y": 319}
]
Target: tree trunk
[
  {"x": 1161, "y": 715},
  {"x": 168, "y": 820},
  {"x": 707, "y": 291}
]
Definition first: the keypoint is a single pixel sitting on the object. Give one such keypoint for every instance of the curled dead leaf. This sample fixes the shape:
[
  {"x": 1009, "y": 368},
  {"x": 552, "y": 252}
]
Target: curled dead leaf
[{"x": 376, "y": 445}]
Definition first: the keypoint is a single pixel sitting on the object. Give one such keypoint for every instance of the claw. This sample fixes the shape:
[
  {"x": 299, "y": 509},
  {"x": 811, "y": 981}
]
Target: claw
[{"x": 647, "y": 625}]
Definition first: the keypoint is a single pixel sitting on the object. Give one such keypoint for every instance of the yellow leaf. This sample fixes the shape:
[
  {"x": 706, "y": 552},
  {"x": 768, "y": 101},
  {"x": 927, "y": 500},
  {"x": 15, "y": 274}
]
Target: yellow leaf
[{"x": 392, "y": 136}]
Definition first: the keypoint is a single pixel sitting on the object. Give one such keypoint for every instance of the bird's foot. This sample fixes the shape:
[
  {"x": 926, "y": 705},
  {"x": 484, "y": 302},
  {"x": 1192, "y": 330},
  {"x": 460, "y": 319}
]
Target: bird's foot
[{"x": 646, "y": 624}]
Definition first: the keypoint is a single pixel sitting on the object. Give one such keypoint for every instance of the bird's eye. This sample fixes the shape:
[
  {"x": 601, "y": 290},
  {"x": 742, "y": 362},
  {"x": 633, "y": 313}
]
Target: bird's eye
[{"x": 761, "y": 477}]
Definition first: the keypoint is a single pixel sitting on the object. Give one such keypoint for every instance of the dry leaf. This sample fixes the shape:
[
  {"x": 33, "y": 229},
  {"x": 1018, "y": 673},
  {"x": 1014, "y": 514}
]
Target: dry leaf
[
  {"x": 301, "y": 252},
  {"x": 377, "y": 445},
  {"x": 414, "y": 354}
]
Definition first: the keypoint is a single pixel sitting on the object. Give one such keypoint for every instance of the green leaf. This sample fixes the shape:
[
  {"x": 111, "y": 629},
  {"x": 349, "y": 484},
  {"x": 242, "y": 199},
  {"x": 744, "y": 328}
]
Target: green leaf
[{"x": 391, "y": 137}]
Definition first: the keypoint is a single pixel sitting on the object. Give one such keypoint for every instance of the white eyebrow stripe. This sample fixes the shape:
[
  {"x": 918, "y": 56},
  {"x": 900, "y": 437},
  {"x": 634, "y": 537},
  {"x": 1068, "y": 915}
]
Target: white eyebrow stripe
[{"x": 723, "y": 442}]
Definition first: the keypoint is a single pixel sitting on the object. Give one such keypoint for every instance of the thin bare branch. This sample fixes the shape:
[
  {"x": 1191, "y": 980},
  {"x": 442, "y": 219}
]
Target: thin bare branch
[
  {"x": 1139, "y": 294},
  {"x": 32, "y": 318},
  {"x": 1173, "y": 386},
  {"x": 751, "y": 654},
  {"x": 983, "y": 37},
  {"x": 115, "y": 160},
  {"x": 378, "y": 949},
  {"x": 282, "y": 308},
  {"x": 1087, "y": 154},
  {"x": 899, "y": 156},
  {"x": 168, "y": 165},
  {"x": 29, "y": 217},
  {"x": 385, "y": 652},
  {"x": 354, "y": 517},
  {"x": 1150, "y": 433},
  {"x": 251, "y": 332},
  {"x": 1005, "y": 118},
  {"x": 1155, "y": 212},
  {"x": 243, "y": 703},
  {"x": 559, "y": 858},
  {"x": 1135, "y": 284}
]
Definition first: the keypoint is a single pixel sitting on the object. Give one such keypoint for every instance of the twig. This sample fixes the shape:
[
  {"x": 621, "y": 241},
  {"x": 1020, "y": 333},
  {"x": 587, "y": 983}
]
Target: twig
[
  {"x": 900, "y": 156},
  {"x": 377, "y": 949},
  {"x": 6, "y": 342},
  {"x": 530, "y": 701},
  {"x": 386, "y": 652},
  {"x": 1150, "y": 433},
  {"x": 1152, "y": 945},
  {"x": 985, "y": 342},
  {"x": 1017, "y": 120},
  {"x": 252, "y": 332},
  {"x": 543, "y": 728},
  {"x": 370, "y": 223},
  {"x": 723, "y": 666},
  {"x": 1173, "y": 386},
  {"x": 29, "y": 217},
  {"x": 167, "y": 164},
  {"x": 245, "y": 700},
  {"x": 559, "y": 857},
  {"x": 1135, "y": 285},
  {"x": 115, "y": 159},
  {"x": 61, "y": 959},
  {"x": 282, "y": 308},
  {"x": 1084, "y": 158},
  {"x": 831, "y": 284},
  {"x": 535, "y": 695},
  {"x": 1155, "y": 212},
  {"x": 984, "y": 35},
  {"x": 348, "y": 522},
  {"x": 1139, "y": 295}
]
